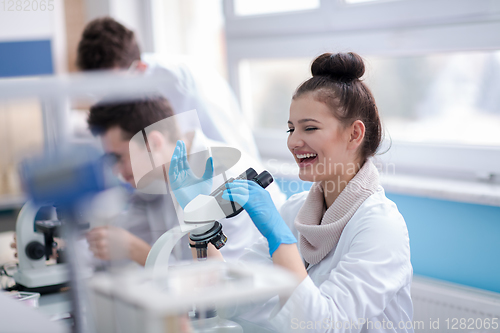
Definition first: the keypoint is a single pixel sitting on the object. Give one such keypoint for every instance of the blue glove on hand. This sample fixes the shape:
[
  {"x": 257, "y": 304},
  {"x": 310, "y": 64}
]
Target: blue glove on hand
[
  {"x": 259, "y": 205},
  {"x": 183, "y": 182}
]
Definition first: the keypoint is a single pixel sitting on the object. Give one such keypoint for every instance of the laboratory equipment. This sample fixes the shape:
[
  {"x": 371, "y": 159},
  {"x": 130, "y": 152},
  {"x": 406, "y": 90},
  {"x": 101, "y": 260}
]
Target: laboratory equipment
[
  {"x": 67, "y": 177},
  {"x": 138, "y": 301},
  {"x": 69, "y": 173},
  {"x": 203, "y": 213},
  {"x": 201, "y": 216},
  {"x": 212, "y": 208},
  {"x": 35, "y": 242}
]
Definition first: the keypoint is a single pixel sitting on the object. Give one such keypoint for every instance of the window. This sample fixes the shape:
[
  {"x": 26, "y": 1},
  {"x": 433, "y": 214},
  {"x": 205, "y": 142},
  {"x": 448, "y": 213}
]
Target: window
[
  {"x": 447, "y": 98},
  {"x": 431, "y": 65},
  {"x": 439, "y": 98},
  {"x": 363, "y": 1},
  {"x": 256, "y": 7},
  {"x": 267, "y": 86}
]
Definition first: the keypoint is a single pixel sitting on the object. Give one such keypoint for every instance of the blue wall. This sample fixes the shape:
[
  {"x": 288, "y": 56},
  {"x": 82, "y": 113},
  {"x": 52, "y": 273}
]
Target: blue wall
[
  {"x": 451, "y": 241},
  {"x": 26, "y": 58}
]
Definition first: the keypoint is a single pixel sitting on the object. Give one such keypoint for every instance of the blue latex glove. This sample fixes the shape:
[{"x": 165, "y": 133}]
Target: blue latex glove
[
  {"x": 259, "y": 205},
  {"x": 183, "y": 182}
]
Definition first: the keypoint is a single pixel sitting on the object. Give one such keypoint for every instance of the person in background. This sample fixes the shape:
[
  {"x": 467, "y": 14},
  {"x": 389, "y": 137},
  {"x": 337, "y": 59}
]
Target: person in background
[
  {"x": 151, "y": 215},
  {"x": 353, "y": 253},
  {"x": 106, "y": 45}
]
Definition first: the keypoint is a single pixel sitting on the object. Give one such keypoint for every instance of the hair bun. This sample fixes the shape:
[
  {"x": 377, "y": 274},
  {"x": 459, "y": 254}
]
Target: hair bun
[{"x": 343, "y": 67}]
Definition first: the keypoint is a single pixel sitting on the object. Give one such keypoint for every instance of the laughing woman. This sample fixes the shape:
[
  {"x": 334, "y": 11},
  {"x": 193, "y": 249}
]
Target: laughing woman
[{"x": 353, "y": 254}]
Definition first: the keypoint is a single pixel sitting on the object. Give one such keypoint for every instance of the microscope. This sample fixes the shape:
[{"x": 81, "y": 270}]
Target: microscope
[
  {"x": 36, "y": 228},
  {"x": 68, "y": 177},
  {"x": 212, "y": 208},
  {"x": 202, "y": 216}
]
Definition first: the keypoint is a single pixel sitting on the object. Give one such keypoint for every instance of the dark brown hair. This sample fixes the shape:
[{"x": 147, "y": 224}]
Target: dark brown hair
[
  {"x": 336, "y": 82},
  {"x": 107, "y": 44},
  {"x": 131, "y": 116}
]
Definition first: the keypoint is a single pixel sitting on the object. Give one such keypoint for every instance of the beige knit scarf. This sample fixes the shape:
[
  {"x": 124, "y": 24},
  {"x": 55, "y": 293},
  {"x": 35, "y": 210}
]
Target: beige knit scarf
[{"x": 320, "y": 230}]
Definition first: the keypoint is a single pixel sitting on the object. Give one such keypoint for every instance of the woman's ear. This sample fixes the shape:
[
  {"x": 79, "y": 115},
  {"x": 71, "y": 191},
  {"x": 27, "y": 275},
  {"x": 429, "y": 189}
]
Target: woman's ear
[{"x": 357, "y": 132}]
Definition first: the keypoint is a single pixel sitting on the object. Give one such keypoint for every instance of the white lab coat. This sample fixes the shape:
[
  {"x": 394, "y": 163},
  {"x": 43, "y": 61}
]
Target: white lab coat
[
  {"x": 149, "y": 216},
  {"x": 366, "y": 277},
  {"x": 196, "y": 87}
]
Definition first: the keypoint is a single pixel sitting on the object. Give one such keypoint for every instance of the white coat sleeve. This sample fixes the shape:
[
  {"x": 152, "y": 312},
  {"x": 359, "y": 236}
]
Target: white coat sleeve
[
  {"x": 257, "y": 313},
  {"x": 365, "y": 280}
]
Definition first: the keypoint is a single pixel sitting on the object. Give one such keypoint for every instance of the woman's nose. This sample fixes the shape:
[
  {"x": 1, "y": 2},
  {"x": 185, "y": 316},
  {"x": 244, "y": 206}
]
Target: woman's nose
[{"x": 294, "y": 141}]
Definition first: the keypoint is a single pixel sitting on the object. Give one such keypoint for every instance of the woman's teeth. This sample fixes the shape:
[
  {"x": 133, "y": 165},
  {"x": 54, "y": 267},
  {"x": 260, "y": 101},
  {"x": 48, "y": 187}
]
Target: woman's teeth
[{"x": 306, "y": 155}]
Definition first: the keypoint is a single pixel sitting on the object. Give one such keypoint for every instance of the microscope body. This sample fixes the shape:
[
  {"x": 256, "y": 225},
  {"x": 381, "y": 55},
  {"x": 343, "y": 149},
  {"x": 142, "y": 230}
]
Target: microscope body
[
  {"x": 201, "y": 216},
  {"x": 34, "y": 274}
]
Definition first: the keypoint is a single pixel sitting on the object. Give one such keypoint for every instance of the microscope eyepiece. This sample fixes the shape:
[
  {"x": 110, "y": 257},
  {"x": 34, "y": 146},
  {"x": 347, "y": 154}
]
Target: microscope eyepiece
[
  {"x": 230, "y": 209},
  {"x": 264, "y": 179}
]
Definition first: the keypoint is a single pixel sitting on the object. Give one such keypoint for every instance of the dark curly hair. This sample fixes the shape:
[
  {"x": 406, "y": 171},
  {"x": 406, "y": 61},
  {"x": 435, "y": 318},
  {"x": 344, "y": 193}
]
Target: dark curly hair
[
  {"x": 107, "y": 44},
  {"x": 132, "y": 116}
]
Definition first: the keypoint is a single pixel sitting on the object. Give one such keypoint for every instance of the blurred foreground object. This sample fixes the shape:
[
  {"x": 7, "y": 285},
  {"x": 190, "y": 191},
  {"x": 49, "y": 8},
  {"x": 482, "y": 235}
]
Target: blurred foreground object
[
  {"x": 140, "y": 302},
  {"x": 36, "y": 115},
  {"x": 17, "y": 317},
  {"x": 28, "y": 298},
  {"x": 66, "y": 178}
]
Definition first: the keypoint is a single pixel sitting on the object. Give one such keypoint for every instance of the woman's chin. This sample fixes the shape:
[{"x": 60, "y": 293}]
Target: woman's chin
[{"x": 307, "y": 176}]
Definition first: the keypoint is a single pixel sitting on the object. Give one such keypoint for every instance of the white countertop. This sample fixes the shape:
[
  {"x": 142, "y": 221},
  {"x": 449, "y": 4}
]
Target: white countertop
[{"x": 474, "y": 192}]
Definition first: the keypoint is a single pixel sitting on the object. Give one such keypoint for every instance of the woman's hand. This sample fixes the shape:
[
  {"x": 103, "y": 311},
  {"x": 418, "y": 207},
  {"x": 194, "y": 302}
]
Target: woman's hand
[
  {"x": 183, "y": 182},
  {"x": 259, "y": 205}
]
